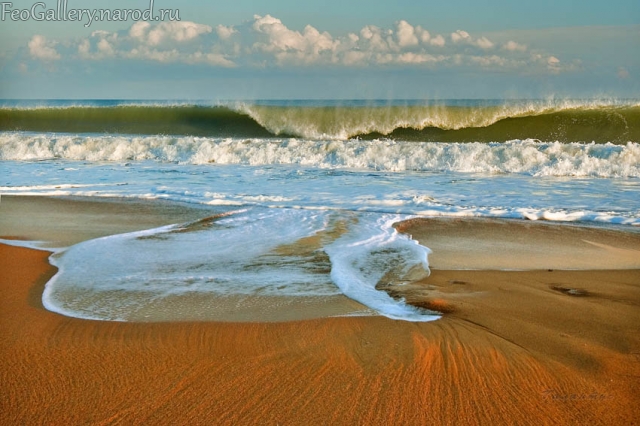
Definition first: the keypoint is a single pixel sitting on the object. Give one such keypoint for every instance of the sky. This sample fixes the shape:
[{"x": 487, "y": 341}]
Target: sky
[{"x": 284, "y": 49}]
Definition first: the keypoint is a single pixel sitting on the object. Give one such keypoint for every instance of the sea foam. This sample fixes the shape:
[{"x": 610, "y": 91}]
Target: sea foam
[
  {"x": 246, "y": 252},
  {"x": 519, "y": 156}
]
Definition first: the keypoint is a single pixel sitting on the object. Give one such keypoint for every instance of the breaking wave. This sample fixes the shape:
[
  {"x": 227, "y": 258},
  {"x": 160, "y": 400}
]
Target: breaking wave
[
  {"x": 519, "y": 156},
  {"x": 471, "y": 121}
]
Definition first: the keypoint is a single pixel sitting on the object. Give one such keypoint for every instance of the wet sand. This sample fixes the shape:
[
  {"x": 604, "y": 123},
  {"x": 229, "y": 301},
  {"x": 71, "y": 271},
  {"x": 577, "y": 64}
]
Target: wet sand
[{"x": 514, "y": 347}]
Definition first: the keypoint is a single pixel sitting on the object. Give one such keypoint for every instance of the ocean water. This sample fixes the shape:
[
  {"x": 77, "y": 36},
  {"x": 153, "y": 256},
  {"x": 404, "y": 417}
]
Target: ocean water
[{"x": 305, "y": 193}]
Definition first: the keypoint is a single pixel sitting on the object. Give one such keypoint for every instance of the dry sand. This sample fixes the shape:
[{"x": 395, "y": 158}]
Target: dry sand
[{"x": 519, "y": 347}]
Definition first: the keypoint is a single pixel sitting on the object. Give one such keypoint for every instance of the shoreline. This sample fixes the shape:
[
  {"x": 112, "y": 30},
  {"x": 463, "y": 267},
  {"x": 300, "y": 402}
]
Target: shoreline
[
  {"x": 476, "y": 244},
  {"x": 524, "y": 347}
]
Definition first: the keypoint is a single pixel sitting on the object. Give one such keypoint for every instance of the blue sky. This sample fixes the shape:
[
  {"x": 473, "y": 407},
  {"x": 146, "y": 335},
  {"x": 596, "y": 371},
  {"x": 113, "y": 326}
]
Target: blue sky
[{"x": 328, "y": 49}]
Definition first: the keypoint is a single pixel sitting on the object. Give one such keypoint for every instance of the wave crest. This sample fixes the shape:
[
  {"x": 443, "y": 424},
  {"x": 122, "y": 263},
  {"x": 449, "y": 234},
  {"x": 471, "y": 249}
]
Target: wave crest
[
  {"x": 567, "y": 121},
  {"x": 337, "y": 122}
]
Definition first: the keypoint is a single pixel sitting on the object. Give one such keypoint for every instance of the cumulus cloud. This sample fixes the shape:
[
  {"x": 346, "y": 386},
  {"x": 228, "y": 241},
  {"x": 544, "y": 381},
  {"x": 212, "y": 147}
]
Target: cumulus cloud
[
  {"x": 103, "y": 45},
  {"x": 161, "y": 43},
  {"x": 277, "y": 37},
  {"x": 84, "y": 47},
  {"x": 437, "y": 41},
  {"x": 459, "y": 36},
  {"x": 288, "y": 46},
  {"x": 513, "y": 46},
  {"x": 463, "y": 37},
  {"x": 265, "y": 41},
  {"x": 373, "y": 38},
  {"x": 152, "y": 54},
  {"x": 179, "y": 31},
  {"x": 176, "y": 31},
  {"x": 494, "y": 60},
  {"x": 214, "y": 59},
  {"x": 43, "y": 49},
  {"x": 553, "y": 63},
  {"x": 417, "y": 58},
  {"x": 484, "y": 43},
  {"x": 406, "y": 34},
  {"x": 139, "y": 30},
  {"x": 105, "y": 48},
  {"x": 225, "y": 32}
]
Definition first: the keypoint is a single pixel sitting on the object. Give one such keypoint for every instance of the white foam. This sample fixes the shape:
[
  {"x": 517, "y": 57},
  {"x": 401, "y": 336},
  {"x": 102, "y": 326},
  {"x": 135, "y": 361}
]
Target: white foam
[
  {"x": 361, "y": 258},
  {"x": 27, "y": 189},
  {"x": 230, "y": 258},
  {"x": 32, "y": 244},
  {"x": 523, "y": 157},
  {"x": 585, "y": 199},
  {"x": 113, "y": 277}
]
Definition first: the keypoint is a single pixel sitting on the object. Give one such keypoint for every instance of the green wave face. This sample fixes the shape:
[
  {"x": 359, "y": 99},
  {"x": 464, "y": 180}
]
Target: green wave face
[
  {"x": 152, "y": 120},
  {"x": 600, "y": 126},
  {"x": 571, "y": 122}
]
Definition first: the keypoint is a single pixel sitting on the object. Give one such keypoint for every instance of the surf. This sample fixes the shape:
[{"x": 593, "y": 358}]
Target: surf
[
  {"x": 525, "y": 157},
  {"x": 615, "y": 121}
]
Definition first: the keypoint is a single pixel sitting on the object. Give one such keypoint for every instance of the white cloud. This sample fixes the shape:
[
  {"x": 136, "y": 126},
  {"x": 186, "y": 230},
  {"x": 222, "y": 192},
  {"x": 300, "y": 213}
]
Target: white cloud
[
  {"x": 372, "y": 36},
  {"x": 214, "y": 59},
  {"x": 277, "y": 37},
  {"x": 139, "y": 30},
  {"x": 513, "y": 46},
  {"x": 179, "y": 31},
  {"x": 354, "y": 57},
  {"x": 145, "y": 41},
  {"x": 437, "y": 41},
  {"x": 484, "y": 43},
  {"x": 422, "y": 34},
  {"x": 105, "y": 43},
  {"x": 105, "y": 48},
  {"x": 415, "y": 58},
  {"x": 406, "y": 34},
  {"x": 487, "y": 61},
  {"x": 152, "y": 54},
  {"x": 225, "y": 32},
  {"x": 552, "y": 63},
  {"x": 267, "y": 42},
  {"x": 43, "y": 49},
  {"x": 293, "y": 47},
  {"x": 84, "y": 47},
  {"x": 459, "y": 36},
  {"x": 144, "y": 52}
]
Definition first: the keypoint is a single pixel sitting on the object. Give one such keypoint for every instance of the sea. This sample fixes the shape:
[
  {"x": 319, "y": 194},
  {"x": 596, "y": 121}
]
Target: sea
[{"x": 303, "y": 194}]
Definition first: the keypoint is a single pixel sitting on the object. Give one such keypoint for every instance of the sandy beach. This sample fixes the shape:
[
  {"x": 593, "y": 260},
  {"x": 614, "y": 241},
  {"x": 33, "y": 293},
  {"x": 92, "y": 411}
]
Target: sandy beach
[{"x": 554, "y": 340}]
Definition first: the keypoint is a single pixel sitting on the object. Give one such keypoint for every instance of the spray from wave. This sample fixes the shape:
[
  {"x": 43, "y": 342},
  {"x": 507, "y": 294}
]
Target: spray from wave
[{"x": 564, "y": 121}]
